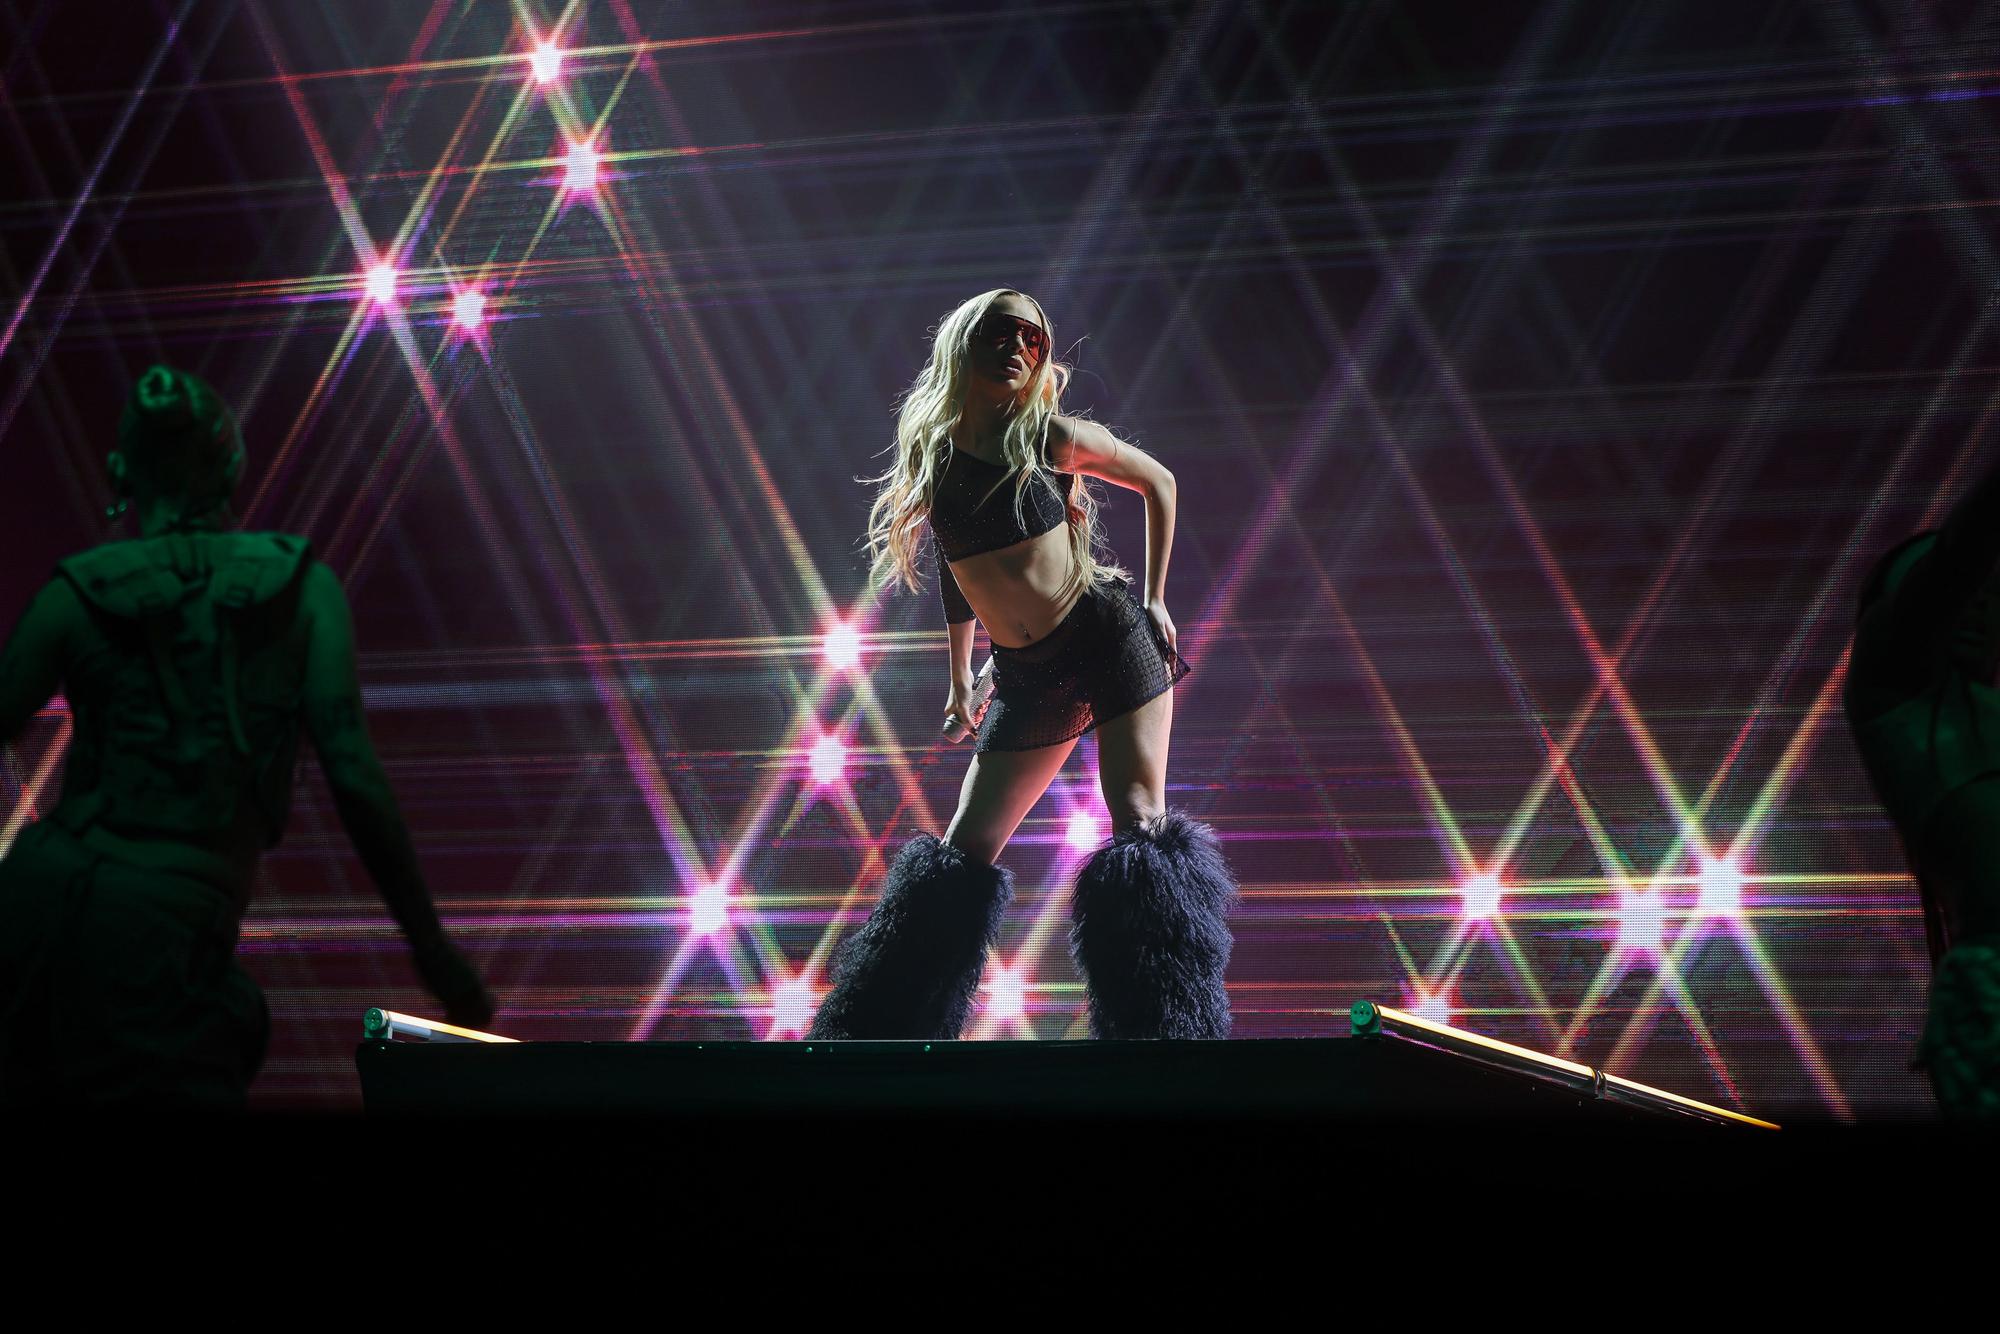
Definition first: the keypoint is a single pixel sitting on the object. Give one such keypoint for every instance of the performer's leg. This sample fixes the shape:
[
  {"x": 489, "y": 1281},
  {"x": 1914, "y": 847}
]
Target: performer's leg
[
  {"x": 1132, "y": 762},
  {"x": 1150, "y": 933},
  {"x": 913, "y": 968},
  {"x": 1000, "y": 788}
]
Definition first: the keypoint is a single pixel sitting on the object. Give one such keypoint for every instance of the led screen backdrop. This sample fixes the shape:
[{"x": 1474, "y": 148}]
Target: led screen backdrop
[{"x": 1539, "y": 379}]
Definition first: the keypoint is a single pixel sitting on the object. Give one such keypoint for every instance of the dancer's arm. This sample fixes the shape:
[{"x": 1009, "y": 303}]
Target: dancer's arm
[
  {"x": 1084, "y": 446},
  {"x": 958, "y": 620},
  {"x": 31, "y": 664},
  {"x": 367, "y": 807},
  {"x": 958, "y": 704},
  {"x": 957, "y": 611}
]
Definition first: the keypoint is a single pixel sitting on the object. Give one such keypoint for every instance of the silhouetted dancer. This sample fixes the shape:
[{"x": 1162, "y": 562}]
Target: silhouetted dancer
[
  {"x": 1925, "y": 715},
  {"x": 190, "y": 658}
]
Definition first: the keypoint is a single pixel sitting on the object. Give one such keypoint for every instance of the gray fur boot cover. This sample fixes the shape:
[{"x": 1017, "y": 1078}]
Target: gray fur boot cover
[
  {"x": 913, "y": 968},
  {"x": 1150, "y": 933}
]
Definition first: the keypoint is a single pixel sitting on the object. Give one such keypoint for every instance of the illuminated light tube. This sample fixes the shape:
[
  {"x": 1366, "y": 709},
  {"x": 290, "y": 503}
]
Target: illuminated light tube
[
  {"x": 380, "y": 1025},
  {"x": 1369, "y": 1019}
]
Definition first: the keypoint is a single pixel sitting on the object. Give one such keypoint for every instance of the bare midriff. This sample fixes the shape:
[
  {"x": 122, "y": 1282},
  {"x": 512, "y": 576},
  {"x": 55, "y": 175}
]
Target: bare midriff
[{"x": 1019, "y": 593}]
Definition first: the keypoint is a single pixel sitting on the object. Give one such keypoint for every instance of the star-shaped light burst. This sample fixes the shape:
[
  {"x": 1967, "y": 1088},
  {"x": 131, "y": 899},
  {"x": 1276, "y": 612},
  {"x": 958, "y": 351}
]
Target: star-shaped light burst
[
  {"x": 1085, "y": 831},
  {"x": 468, "y": 310},
  {"x": 1721, "y": 882},
  {"x": 381, "y": 282},
  {"x": 1642, "y": 923},
  {"x": 841, "y": 647},
  {"x": 1480, "y": 896},
  {"x": 792, "y": 1006},
  {"x": 581, "y": 163},
  {"x": 545, "y": 61},
  {"x": 827, "y": 760},
  {"x": 1432, "y": 1005},
  {"x": 1006, "y": 994},
  {"x": 709, "y": 912}
]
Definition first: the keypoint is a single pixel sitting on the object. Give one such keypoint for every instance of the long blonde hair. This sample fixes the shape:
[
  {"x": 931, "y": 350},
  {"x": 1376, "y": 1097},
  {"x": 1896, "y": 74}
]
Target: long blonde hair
[{"x": 925, "y": 416}]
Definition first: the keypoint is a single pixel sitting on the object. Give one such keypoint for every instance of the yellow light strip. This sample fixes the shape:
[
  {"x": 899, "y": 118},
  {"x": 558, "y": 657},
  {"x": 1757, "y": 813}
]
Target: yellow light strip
[
  {"x": 1404, "y": 1019},
  {"x": 396, "y": 1018},
  {"x": 1408, "y": 1020},
  {"x": 1650, "y": 1091}
]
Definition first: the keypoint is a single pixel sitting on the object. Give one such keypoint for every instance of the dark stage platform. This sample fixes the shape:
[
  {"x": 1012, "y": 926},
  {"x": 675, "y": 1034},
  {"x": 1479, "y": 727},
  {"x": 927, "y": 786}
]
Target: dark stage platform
[{"x": 1390, "y": 1072}]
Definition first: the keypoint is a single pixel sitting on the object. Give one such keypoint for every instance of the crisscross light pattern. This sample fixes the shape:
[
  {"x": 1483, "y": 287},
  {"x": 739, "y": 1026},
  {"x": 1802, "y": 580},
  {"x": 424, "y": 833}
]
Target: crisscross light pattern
[{"x": 1540, "y": 380}]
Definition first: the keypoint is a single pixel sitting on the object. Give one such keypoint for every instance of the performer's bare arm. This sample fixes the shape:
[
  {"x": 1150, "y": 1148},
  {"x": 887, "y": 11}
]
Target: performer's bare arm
[
  {"x": 1082, "y": 446},
  {"x": 362, "y": 796}
]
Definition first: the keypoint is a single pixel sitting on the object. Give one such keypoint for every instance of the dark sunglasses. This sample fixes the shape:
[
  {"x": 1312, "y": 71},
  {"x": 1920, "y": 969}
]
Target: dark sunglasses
[{"x": 998, "y": 325}]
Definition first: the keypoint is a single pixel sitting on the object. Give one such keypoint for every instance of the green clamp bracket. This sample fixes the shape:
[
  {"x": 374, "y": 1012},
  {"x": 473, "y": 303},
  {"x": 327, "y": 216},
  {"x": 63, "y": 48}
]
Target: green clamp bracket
[{"x": 1364, "y": 1020}]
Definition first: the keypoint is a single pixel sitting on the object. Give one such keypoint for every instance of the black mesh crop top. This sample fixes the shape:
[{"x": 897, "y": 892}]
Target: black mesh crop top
[{"x": 972, "y": 511}]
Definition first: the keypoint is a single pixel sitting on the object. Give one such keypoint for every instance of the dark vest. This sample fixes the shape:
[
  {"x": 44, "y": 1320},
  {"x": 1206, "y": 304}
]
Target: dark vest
[{"x": 186, "y": 699}]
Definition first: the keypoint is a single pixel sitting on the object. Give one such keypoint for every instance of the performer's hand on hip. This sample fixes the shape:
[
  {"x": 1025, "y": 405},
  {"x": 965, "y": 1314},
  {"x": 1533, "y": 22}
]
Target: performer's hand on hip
[
  {"x": 1163, "y": 624},
  {"x": 958, "y": 705}
]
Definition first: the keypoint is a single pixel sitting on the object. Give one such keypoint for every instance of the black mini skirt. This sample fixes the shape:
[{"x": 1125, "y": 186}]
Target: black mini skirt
[{"x": 1103, "y": 661}]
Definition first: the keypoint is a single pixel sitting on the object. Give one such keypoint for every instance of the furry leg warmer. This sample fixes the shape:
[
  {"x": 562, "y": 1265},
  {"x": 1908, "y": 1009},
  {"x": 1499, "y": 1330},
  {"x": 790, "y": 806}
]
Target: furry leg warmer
[
  {"x": 1151, "y": 933},
  {"x": 913, "y": 968}
]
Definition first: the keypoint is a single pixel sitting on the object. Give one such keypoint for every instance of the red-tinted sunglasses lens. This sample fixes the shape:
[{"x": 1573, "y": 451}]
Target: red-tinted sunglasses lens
[{"x": 994, "y": 328}]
